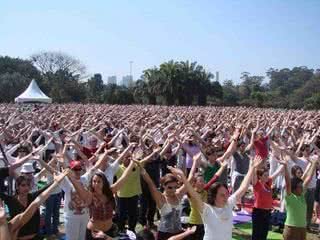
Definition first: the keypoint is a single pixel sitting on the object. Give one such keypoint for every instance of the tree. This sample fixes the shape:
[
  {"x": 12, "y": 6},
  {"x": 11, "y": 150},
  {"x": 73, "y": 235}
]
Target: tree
[
  {"x": 60, "y": 74},
  {"x": 173, "y": 82},
  {"x": 140, "y": 92},
  {"x": 204, "y": 85},
  {"x": 250, "y": 84},
  {"x": 65, "y": 87},
  {"x": 313, "y": 102},
  {"x": 152, "y": 78},
  {"x": 12, "y": 85},
  {"x": 216, "y": 90},
  {"x": 230, "y": 95},
  {"x": 15, "y": 76},
  {"x": 169, "y": 81},
  {"x": 52, "y": 62},
  {"x": 188, "y": 87},
  {"x": 17, "y": 65},
  {"x": 258, "y": 98}
]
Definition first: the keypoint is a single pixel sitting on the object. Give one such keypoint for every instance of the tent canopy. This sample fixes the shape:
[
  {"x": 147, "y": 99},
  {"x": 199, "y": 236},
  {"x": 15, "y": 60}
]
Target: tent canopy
[{"x": 33, "y": 94}]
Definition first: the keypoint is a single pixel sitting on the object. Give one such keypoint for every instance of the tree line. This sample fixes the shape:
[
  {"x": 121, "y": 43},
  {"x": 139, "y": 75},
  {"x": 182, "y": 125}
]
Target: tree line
[{"x": 64, "y": 79}]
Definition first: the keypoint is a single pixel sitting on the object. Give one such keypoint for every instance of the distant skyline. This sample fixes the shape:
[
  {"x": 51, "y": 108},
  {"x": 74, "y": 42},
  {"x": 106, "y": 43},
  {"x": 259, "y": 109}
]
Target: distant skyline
[{"x": 226, "y": 36}]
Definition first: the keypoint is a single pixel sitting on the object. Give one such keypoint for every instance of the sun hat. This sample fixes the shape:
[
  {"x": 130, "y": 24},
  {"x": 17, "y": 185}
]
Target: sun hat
[{"x": 27, "y": 168}]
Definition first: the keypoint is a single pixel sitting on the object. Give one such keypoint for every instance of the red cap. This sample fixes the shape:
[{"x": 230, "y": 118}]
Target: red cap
[{"x": 76, "y": 165}]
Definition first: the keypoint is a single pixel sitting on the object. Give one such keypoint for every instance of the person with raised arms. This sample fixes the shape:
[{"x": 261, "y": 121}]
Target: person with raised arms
[{"x": 217, "y": 213}]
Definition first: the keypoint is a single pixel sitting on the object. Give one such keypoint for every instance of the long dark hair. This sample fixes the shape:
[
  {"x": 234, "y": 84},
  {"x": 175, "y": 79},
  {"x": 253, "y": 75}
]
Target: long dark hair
[
  {"x": 213, "y": 190},
  {"x": 295, "y": 182},
  {"x": 106, "y": 190},
  {"x": 295, "y": 169}
]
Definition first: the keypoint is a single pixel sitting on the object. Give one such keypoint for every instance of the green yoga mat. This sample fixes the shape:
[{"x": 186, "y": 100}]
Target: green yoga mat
[{"x": 243, "y": 232}]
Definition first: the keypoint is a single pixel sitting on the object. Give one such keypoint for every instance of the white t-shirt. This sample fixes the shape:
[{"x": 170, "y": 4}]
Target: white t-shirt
[
  {"x": 73, "y": 204},
  {"x": 303, "y": 164},
  {"x": 57, "y": 189},
  {"x": 111, "y": 171},
  {"x": 218, "y": 221}
]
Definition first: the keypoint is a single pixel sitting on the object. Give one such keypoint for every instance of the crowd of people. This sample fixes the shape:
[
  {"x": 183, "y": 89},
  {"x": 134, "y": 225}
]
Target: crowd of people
[{"x": 115, "y": 167}]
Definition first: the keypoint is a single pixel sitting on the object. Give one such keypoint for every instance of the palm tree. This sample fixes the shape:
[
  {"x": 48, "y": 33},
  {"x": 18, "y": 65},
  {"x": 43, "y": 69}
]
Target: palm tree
[
  {"x": 204, "y": 86},
  {"x": 169, "y": 81},
  {"x": 187, "y": 87},
  {"x": 151, "y": 78}
]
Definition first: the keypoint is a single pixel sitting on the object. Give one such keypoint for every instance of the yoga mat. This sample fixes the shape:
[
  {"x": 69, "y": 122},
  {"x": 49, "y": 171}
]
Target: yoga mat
[{"x": 241, "y": 217}]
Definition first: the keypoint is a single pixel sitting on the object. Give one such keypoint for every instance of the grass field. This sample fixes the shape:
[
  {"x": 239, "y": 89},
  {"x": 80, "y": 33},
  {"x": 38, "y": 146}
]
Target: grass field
[{"x": 243, "y": 232}]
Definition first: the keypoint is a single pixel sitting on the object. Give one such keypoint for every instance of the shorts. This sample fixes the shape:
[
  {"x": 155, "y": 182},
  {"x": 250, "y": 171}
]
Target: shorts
[{"x": 294, "y": 233}]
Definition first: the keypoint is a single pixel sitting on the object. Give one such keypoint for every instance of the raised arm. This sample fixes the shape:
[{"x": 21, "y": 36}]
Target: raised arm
[
  {"x": 253, "y": 133},
  {"x": 125, "y": 153},
  {"x": 21, "y": 219},
  {"x": 157, "y": 196},
  {"x": 301, "y": 142},
  {"x": 233, "y": 146},
  {"x": 216, "y": 176},
  {"x": 309, "y": 174},
  {"x": 247, "y": 179},
  {"x": 193, "y": 194},
  {"x": 113, "y": 140},
  {"x": 97, "y": 135},
  {"x": 284, "y": 161},
  {"x": 21, "y": 161},
  {"x": 195, "y": 165},
  {"x": 4, "y": 230},
  {"x": 119, "y": 183},
  {"x": 165, "y": 148},
  {"x": 277, "y": 172},
  {"x": 84, "y": 194},
  {"x": 46, "y": 167},
  {"x": 150, "y": 156},
  {"x": 78, "y": 148},
  {"x": 271, "y": 129},
  {"x": 198, "y": 137}
]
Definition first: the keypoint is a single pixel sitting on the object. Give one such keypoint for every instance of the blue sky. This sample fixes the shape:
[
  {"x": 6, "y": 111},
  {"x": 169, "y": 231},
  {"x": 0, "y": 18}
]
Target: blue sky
[{"x": 225, "y": 36}]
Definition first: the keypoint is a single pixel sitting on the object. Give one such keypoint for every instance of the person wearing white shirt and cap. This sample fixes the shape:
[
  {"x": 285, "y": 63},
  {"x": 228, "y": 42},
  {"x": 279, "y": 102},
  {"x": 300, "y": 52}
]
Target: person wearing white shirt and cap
[{"x": 28, "y": 171}]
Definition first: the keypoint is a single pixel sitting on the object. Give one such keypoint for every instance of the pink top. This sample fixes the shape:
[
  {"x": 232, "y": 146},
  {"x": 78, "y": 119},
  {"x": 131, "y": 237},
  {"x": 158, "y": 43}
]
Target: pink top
[
  {"x": 263, "y": 195},
  {"x": 261, "y": 147}
]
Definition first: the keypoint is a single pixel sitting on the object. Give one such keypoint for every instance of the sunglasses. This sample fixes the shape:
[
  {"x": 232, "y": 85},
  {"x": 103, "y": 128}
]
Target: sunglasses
[
  {"x": 77, "y": 169},
  {"x": 172, "y": 187}
]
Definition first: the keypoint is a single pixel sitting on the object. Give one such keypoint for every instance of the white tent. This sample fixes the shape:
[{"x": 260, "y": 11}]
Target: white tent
[{"x": 33, "y": 94}]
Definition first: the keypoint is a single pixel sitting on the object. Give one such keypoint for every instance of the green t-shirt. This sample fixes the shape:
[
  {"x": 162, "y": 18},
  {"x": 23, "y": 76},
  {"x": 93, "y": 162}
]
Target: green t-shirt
[
  {"x": 210, "y": 171},
  {"x": 296, "y": 207},
  {"x": 132, "y": 185}
]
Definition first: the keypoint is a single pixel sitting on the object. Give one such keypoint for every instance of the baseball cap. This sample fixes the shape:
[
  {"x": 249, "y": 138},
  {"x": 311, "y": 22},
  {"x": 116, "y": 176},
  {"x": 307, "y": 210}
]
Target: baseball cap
[{"x": 75, "y": 165}]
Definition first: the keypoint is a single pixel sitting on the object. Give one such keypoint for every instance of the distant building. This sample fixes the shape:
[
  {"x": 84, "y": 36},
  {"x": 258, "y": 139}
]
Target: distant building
[
  {"x": 127, "y": 80},
  {"x": 112, "y": 80},
  {"x": 217, "y": 76}
]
